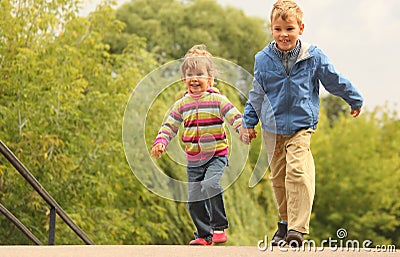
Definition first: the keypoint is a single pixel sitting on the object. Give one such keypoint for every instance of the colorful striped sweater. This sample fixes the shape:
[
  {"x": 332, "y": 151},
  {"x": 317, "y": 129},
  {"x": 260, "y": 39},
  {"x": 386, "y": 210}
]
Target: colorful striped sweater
[{"x": 204, "y": 135}]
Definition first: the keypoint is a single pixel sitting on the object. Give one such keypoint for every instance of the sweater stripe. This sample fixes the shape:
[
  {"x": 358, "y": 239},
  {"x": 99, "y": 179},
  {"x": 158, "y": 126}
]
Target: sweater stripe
[
  {"x": 226, "y": 109},
  {"x": 198, "y": 105},
  {"x": 203, "y": 122},
  {"x": 204, "y": 134},
  {"x": 204, "y": 138},
  {"x": 176, "y": 116},
  {"x": 171, "y": 127}
]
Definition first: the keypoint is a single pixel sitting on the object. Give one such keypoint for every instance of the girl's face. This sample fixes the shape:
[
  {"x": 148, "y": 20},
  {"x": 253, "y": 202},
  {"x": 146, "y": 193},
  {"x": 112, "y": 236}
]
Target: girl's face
[
  {"x": 197, "y": 80},
  {"x": 286, "y": 32}
]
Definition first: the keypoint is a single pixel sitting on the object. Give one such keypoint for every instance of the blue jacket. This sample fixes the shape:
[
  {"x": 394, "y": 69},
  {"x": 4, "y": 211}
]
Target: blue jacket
[{"x": 287, "y": 103}]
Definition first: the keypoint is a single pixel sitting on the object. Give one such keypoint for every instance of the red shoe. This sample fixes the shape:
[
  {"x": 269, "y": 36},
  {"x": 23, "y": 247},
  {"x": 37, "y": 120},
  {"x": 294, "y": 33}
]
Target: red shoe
[
  {"x": 219, "y": 237},
  {"x": 200, "y": 241}
]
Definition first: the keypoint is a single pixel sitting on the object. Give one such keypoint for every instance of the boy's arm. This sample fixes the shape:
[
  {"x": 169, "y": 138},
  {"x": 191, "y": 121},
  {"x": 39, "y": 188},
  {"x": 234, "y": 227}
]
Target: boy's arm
[
  {"x": 253, "y": 105},
  {"x": 336, "y": 84}
]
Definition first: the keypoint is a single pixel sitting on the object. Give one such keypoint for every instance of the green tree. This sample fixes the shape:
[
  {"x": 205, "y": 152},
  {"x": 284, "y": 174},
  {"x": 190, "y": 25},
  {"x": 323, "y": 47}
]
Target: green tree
[
  {"x": 62, "y": 101},
  {"x": 334, "y": 107},
  {"x": 63, "y": 91},
  {"x": 171, "y": 27},
  {"x": 358, "y": 167}
]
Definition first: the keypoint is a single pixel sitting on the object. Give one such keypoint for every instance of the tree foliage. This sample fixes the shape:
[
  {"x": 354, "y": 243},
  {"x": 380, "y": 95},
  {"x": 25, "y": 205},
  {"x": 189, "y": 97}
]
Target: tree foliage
[
  {"x": 63, "y": 96},
  {"x": 63, "y": 89},
  {"x": 171, "y": 27},
  {"x": 358, "y": 166}
]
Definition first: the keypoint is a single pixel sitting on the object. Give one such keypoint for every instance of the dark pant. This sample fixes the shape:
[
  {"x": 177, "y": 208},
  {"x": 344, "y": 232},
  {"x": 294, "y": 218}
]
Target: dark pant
[{"x": 205, "y": 203}]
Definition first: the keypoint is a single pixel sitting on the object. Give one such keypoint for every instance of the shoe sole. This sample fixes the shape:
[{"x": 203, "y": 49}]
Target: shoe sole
[
  {"x": 202, "y": 244},
  {"x": 280, "y": 243},
  {"x": 294, "y": 239},
  {"x": 220, "y": 241}
]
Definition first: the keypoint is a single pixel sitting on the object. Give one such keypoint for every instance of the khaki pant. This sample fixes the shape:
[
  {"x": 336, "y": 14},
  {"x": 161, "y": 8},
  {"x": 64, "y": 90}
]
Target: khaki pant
[{"x": 292, "y": 176}]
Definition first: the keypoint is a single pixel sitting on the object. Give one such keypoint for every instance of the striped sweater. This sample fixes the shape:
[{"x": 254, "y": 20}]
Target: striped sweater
[{"x": 204, "y": 135}]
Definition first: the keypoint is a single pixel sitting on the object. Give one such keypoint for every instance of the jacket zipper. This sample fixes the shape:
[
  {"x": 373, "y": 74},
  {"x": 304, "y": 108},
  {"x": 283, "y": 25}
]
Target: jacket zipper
[
  {"x": 197, "y": 126},
  {"x": 287, "y": 87}
]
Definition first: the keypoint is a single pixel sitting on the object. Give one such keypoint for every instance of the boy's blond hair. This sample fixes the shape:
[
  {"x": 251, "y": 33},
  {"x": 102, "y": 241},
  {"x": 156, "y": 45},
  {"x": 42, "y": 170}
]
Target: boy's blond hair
[
  {"x": 286, "y": 8},
  {"x": 199, "y": 56}
]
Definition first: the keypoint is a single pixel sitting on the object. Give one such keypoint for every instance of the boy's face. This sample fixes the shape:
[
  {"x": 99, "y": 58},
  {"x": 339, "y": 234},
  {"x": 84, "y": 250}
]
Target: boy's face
[
  {"x": 286, "y": 32},
  {"x": 197, "y": 80}
]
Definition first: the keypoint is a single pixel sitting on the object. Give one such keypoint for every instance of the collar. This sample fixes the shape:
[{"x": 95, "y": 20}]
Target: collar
[
  {"x": 198, "y": 96},
  {"x": 282, "y": 54}
]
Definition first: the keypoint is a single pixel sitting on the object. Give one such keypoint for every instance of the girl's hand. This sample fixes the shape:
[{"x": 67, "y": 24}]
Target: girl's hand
[
  {"x": 157, "y": 150},
  {"x": 247, "y": 134},
  {"x": 355, "y": 113}
]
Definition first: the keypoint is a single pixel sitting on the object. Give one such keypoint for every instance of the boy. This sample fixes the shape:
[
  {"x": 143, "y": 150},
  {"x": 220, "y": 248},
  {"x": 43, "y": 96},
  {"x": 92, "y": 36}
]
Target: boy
[
  {"x": 202, "y": 110},
  {"x": 287, "y": 75}
]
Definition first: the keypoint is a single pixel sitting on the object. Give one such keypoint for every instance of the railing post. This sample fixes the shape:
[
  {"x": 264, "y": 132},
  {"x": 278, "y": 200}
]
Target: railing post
[
  {"x": 55, "y": 208},
  {"x": 52, "y": 229}
]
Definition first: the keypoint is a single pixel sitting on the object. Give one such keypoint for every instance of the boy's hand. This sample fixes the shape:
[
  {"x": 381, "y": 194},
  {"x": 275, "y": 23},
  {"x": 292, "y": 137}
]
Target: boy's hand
[
  {"x": 247, "y": 134},
  {"x": 355, "y": 113},
  {"x": 157, "y": 150}
]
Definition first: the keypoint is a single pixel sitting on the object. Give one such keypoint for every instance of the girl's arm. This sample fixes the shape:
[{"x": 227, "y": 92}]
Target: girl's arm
[
  {"x": 231, "y": 113},
  {"x": 167, "y": 132}
]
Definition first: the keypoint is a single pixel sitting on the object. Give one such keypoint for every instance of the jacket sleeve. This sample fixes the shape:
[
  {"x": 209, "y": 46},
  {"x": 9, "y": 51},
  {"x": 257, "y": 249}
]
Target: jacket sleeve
[
  {"x": 231, "y": 113},
  {"x": 336, "y": 84},
  {"x": 253, "y": 105},
  {"x": 170, "y": 127}
]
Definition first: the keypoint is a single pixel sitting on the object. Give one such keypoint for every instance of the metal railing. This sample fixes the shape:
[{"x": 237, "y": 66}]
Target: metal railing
[{"x": 54, "y": 206}]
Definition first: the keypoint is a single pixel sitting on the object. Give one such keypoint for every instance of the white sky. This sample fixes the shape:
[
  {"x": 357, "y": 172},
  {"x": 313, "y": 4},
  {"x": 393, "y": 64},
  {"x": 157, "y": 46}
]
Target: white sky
[{"x": 359, "y": 36}]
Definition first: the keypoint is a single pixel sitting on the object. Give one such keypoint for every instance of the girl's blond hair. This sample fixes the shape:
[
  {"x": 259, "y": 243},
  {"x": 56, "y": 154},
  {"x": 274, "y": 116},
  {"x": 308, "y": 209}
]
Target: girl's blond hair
[{"x": 199, "y": 56}]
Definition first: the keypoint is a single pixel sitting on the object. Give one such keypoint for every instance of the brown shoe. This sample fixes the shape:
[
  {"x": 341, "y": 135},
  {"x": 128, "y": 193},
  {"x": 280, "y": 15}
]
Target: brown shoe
[{"x": 294, "y": 238}]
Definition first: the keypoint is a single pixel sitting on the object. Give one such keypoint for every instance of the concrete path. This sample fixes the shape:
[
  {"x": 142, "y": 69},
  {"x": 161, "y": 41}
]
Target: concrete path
[{"x": 178, "y": 251}]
